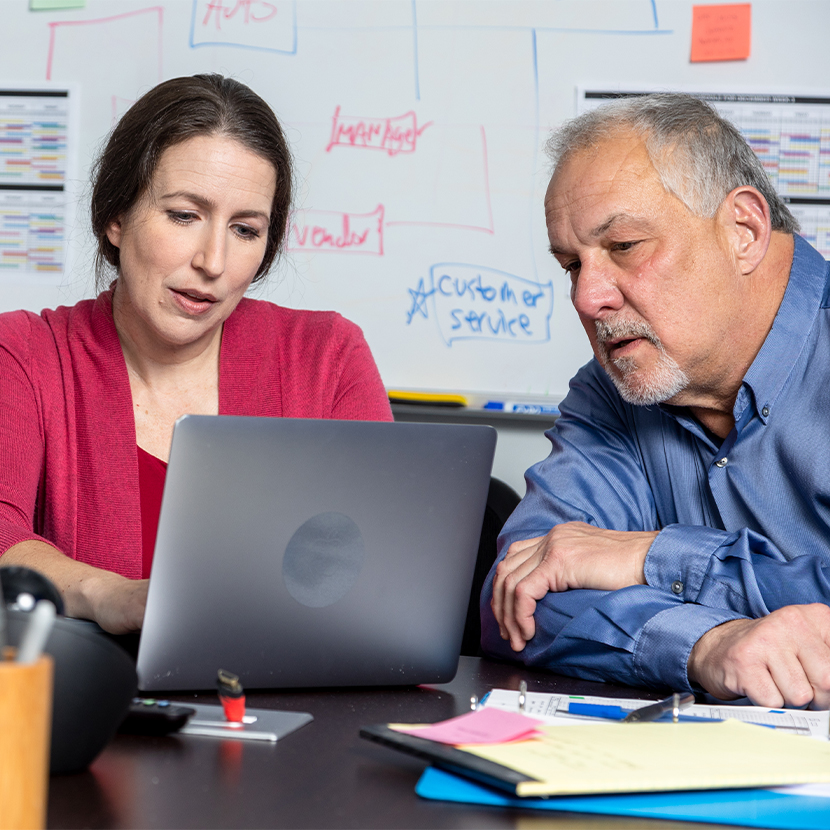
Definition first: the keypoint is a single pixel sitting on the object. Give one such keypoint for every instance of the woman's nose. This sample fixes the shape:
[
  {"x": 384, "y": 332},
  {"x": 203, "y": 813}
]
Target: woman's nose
[{"x": 210, "y": 255}]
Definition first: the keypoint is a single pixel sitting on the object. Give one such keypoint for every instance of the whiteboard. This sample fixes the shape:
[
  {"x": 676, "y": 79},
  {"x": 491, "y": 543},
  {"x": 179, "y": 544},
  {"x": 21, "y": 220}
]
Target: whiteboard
[{"x": 417, "y": 127}]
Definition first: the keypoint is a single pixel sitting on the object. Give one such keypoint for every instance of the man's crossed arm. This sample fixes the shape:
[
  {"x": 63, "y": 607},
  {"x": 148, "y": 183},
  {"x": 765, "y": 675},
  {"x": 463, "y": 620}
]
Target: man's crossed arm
[{"x": 779, "y": 659}]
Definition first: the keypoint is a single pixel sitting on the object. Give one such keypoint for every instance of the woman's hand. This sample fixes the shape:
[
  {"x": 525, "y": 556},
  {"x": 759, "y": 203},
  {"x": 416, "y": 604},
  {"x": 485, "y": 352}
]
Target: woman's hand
[
  {"x": 572, "y": 555},
  {"x": 113, "y": 601},
  {"x": 118, "y": 604}
]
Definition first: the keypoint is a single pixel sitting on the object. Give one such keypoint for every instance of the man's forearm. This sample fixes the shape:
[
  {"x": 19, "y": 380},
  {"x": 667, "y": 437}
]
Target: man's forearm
[{"x": 637, "y": 636}]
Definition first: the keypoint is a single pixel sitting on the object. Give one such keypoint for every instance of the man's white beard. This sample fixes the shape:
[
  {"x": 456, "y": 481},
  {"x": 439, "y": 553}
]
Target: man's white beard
[{"x": 661, "y": 383}]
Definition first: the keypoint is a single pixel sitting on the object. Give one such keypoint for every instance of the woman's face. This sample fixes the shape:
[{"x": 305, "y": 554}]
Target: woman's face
[{"x": 190, "y": 247}]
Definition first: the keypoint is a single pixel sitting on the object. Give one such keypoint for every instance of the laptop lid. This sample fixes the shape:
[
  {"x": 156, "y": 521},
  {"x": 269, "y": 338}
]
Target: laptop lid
[{"x": 297, "y": 552}]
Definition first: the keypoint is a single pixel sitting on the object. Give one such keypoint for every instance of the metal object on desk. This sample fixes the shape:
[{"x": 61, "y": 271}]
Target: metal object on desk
[
  {"x": 267, "y": 725},
  {"x": 674, "y": 703},
  {"x": 522, "y": 695}
]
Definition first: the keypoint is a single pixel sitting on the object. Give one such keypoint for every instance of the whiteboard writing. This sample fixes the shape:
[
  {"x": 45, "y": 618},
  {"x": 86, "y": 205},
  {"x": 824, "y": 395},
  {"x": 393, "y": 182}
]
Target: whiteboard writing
[
  {"x": 326, "y": 230},
  {"x": 268, "y": 25},
  {"x": 471, "y": 302},
  {"x": 394, "y": 135}
]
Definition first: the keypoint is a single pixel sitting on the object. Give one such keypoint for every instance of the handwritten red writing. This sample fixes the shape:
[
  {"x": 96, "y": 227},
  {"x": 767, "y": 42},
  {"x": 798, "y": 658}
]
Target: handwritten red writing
[
  {"x": 323, "y": 230},
  {"x": 252, "y": 11},
  {"x": 394, "y": 135}
]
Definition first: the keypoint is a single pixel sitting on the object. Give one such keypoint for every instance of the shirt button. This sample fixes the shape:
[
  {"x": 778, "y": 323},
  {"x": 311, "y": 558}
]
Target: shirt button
[
  {"x": 677, "y": 587},
  {"x": 721, "y": 462},
  {"x": 765, "y": 411}
]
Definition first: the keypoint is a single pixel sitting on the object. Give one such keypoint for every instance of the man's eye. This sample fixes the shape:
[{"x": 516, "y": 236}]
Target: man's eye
[
  {"x": 572, "y": 267},
  {"x": 623, "y": 246}
]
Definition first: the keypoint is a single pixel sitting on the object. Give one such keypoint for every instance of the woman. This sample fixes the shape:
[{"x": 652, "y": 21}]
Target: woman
[{"x": 190, "y": 204}]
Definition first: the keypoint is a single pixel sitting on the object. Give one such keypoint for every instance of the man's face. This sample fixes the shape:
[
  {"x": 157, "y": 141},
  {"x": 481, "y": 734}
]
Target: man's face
[{"x": 655, "y": 286}]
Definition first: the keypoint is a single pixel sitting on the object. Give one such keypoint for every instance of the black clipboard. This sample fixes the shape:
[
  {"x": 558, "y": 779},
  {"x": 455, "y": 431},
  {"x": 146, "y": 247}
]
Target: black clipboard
[{"x": 448, "y": 757}]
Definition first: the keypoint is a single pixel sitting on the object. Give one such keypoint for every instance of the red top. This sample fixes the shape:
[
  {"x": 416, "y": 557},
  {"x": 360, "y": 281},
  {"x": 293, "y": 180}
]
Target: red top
[
  {"x": 151, "y": 474},
  {"x": 68, "y": 461}
]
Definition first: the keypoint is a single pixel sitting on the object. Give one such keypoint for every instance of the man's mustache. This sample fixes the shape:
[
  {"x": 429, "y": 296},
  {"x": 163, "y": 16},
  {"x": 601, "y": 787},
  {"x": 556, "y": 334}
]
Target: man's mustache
[{"x": 617, "y": 330}]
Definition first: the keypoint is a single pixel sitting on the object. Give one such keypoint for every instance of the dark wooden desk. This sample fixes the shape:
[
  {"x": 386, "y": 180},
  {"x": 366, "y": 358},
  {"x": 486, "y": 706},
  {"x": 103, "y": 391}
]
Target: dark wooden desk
[{"x": 323, "y": 776}]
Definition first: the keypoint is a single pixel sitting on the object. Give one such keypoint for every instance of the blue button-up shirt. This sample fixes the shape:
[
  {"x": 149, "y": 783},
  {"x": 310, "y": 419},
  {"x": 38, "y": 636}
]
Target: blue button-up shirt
[{"x": 744, "y": 524}]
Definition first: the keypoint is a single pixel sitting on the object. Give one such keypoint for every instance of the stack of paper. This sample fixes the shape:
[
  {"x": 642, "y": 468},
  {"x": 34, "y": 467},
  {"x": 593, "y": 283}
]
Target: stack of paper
[{"x": 706, "y": 771}]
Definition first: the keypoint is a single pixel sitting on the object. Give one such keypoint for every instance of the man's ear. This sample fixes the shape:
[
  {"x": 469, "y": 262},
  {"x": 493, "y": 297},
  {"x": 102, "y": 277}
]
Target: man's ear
[
  {"x": 114, "y": 232},
  {"x": 747, "y": 221}
]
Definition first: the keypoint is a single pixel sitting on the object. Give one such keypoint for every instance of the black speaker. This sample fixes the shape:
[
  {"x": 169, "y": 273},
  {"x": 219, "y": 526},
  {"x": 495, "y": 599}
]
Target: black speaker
[{"x": 95, "y": 681}]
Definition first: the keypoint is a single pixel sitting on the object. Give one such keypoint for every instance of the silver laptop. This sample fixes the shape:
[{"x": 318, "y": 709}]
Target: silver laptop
[{"x": 314, "y": 552}]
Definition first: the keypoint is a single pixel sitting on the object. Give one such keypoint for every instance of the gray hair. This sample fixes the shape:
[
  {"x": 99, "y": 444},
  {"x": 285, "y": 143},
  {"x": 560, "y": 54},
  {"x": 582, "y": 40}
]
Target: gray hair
[{"x": 699, "y": 155}]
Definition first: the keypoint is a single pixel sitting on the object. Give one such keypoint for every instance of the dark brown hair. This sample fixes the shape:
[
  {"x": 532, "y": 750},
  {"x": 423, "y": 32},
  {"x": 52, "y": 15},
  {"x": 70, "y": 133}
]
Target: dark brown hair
[{"x": 172, "y": 112}]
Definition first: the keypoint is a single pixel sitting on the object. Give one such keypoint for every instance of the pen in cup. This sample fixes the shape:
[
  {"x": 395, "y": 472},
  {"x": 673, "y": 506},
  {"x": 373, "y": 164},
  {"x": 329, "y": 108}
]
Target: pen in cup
[{"x": 37, "y": 632}]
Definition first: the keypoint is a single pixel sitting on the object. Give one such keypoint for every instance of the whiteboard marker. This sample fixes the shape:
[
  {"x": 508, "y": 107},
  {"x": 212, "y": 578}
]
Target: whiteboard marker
[
  {"x": 425, "y": 398},
  {"x": 522, "y": 408}
]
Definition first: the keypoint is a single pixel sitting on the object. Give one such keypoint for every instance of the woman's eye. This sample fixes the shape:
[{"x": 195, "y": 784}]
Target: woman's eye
[
  {"x": 182, "y": 217},
  {"x": 247, "y": 232}
]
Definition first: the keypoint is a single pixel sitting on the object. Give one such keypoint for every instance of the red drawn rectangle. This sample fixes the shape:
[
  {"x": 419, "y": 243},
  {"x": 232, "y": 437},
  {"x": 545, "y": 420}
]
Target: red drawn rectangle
[
  {"x": 334, "y": 232},
  {"x": 393, "y": 135}
]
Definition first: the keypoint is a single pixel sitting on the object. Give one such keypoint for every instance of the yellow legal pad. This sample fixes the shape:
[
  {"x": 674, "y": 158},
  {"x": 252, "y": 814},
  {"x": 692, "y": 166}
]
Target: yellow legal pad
[{"x": 648, "y": 757}]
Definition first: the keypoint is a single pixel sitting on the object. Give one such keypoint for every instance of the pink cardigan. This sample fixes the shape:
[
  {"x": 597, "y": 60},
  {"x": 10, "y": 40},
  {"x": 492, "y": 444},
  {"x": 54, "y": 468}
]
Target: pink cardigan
[{"x": 68, "y": 461}]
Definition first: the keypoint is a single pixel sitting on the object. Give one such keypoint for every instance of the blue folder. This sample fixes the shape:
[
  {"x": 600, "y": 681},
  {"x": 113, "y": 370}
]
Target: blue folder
[{"x": 747, "y": 808}]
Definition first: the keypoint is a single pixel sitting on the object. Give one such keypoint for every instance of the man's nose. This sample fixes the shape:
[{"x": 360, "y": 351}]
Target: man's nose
[{"x": 595, "y": 292}]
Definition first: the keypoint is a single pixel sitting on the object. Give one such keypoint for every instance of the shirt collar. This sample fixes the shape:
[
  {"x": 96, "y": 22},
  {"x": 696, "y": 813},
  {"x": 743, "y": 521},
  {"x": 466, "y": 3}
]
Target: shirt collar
[{"x": 790, "y": 331}]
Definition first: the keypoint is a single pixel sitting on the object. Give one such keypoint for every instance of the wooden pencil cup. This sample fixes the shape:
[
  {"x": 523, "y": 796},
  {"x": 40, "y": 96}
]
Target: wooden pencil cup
[{"x": 25, "y": 729}]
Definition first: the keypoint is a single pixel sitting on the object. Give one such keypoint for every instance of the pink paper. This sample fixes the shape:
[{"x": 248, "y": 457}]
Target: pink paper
[
  {"x": 721, "y": 32},
  {"x": 484, "y": 726}
]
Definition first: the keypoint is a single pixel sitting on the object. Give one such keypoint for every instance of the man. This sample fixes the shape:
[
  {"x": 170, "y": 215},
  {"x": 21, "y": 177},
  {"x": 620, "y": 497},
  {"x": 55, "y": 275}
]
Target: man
[{"x": 678, "y": 535}]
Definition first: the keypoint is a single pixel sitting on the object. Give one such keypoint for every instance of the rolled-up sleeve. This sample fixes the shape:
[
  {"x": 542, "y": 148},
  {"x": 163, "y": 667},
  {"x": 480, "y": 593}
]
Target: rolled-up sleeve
[{"x": 741, "y": 571}]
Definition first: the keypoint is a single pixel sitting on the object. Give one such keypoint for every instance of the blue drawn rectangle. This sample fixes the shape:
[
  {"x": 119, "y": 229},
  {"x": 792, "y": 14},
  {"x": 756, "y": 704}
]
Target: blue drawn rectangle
[
  {"x": 264, "y": 25},
  {"x": 471, "y": 302}
]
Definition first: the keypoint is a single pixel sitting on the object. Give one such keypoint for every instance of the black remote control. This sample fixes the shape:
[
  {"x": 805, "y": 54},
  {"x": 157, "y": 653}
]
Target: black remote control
[{"x": 148, "y": 716}]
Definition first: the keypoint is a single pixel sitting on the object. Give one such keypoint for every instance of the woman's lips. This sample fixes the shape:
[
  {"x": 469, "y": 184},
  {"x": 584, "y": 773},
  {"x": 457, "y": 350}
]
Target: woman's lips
[{"x": 193, "y": 302}]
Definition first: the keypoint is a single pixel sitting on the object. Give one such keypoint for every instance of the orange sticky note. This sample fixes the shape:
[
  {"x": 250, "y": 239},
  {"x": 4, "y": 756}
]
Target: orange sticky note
[{"x": 722, "y": 32}]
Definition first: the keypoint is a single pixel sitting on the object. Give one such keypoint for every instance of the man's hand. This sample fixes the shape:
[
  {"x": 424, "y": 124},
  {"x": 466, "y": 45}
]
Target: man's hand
[
  {"x": 572, "y": 555},
  {"x": 779, "y": 660}
]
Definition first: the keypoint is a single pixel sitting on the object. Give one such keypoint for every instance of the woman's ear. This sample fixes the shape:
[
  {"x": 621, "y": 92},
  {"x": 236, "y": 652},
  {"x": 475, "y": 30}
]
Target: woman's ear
[
  {"x": 114, "y": 232},
  {"x": 747, "y": 214}
]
